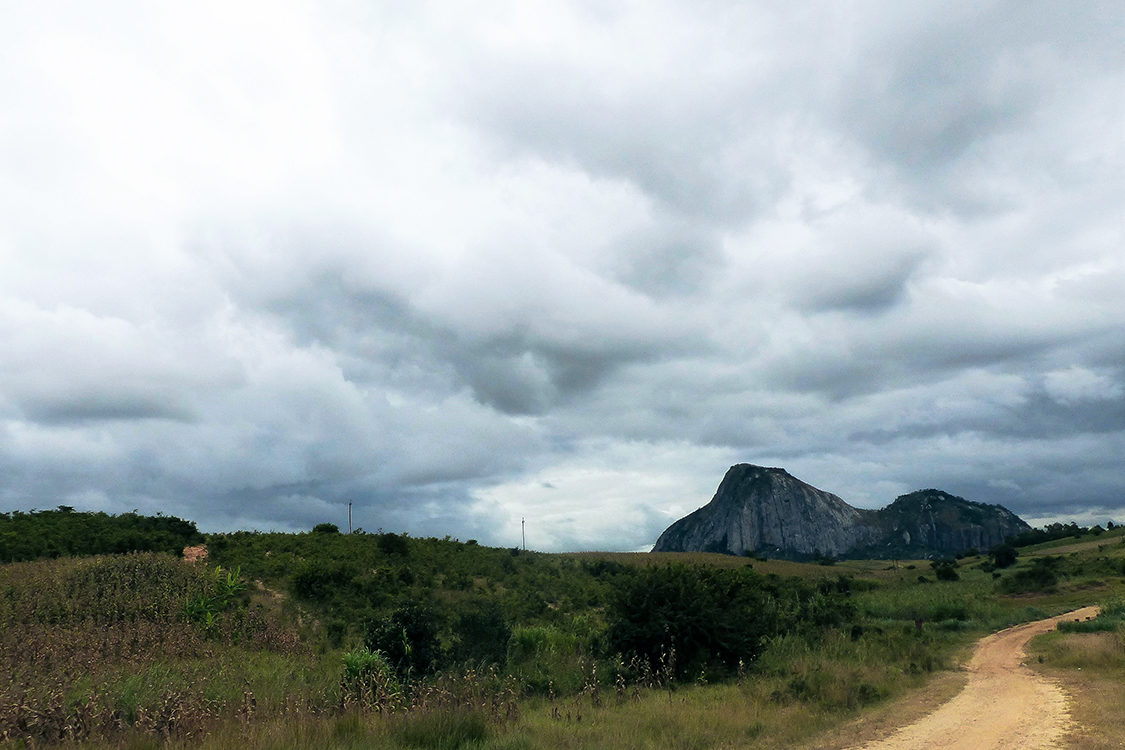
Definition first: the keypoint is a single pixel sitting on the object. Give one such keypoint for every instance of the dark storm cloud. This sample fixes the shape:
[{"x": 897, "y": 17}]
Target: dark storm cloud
[
  {"x": 939, "y": 94},
  {"x": 107, "y": 406},
  {"x": 465, "y": 266},
  {"x": 521, "y": 365}
]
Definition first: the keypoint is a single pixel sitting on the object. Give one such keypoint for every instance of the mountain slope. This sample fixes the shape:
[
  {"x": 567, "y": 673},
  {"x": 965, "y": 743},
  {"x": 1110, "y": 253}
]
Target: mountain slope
[{"x": 760, "y": 509}]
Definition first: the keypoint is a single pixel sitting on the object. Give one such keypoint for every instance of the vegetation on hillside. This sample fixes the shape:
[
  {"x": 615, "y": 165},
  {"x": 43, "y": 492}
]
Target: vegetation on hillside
[
  {"x": 1054, "y": 531},
  {"x": 325, "y": 639},
  {"x": 65, "y": 532}
]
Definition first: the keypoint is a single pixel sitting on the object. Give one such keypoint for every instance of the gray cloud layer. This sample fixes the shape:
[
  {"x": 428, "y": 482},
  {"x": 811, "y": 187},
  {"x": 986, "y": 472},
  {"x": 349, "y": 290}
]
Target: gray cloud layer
[{"x": 564, "y": 262}]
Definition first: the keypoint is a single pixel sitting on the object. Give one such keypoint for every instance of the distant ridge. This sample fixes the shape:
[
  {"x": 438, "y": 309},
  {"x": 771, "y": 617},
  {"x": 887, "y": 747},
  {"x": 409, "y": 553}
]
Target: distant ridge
[{"x": 767, "y": 510}]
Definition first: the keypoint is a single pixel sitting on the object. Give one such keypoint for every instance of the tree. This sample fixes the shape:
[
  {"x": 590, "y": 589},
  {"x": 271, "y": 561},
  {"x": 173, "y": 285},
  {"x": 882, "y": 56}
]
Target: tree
[
  {"x": 1003, "y": 555},
  {"x": 945, "y": 570}
]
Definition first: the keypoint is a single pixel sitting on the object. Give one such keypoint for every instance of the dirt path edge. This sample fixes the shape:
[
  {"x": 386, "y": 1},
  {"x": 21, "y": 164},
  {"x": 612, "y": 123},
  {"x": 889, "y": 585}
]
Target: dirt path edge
[{"x": 1003, "y": 706}]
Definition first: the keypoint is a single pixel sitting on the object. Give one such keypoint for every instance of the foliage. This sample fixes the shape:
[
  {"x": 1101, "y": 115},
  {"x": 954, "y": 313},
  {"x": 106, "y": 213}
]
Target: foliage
[
  {"x": 708, "y": 616},
  {"x": 363, "y": 662},
  {"x": 87, "y": 645},
  {"x": 409, "y": 638},
  {"x": 385, "y": 640},
  {"x": 1041, "y": 576},
  {"x": 349, "y": 580},
  {"x": 65, "y": 532},
  {"x": 393, "y": 544},
  {"x": 482, "y": 634},
  {"x": 945, "y": 570},
  {"x": 1003, "y": 556},
  {"x": 318, "y": 580},
  {"x": 1050, "y": 532},
  {"x": 1109, "y": 620},
  {"x": 206, "y": 607}
]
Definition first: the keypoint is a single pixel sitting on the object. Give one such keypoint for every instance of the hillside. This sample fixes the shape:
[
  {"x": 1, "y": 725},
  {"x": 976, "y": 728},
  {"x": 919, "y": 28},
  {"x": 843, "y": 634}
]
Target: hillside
[{"x": 330, "y": 640}]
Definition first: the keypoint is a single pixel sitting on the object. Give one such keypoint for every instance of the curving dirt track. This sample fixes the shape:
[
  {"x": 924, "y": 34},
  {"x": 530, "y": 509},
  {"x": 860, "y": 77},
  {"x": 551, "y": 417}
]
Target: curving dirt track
[{"x": 1004, "y": 705}]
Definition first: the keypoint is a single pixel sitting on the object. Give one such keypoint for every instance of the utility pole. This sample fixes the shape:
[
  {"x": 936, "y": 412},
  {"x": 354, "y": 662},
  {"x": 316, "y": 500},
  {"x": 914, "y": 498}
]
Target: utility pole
[
  {"x": 523, "y": 532},
  {"x": 349, "y": 516}
]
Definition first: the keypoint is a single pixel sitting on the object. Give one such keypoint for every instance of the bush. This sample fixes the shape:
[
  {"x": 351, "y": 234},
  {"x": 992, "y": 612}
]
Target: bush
[
  {"x": 392, "y": 544},
  {"x": 708, "y": 616},
  {"x": 319, "y": 580},
  {"x": 482, "y": 634},
  {"x": 1003, "y": 556},
  {"x": 545, "y": 657},
  {"x": 326, "y": 528},
  {"x": 1097, "y": 625},
  {"x": 409, "y": 639},
  {"x": 944, "y": 570},
  {"x": 1039, "y": 577},
  {"x": 363, "y": 662}
]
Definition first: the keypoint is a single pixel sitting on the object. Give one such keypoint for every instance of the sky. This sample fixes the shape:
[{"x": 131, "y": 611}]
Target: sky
[{"x": 464, "y": 264}]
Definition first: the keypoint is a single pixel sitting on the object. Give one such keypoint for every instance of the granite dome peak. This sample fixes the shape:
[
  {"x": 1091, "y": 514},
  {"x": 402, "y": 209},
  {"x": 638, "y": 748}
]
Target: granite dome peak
[{"x": 767, "y": 510}]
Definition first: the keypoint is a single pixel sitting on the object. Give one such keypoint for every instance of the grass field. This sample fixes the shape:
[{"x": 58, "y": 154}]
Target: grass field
[{"x": 144, "y": 651}]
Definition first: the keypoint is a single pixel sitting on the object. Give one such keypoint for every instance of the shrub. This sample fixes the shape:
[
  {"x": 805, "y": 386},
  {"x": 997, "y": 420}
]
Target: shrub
[
  {"x": 1039, "y": 577},
  {"x": 392, "y": 544},
  {"x": 1003, "y": 556},
  {"x": 945, "y": 570},
  {"x": 482, "y": 634},
  {"x": 408, "y": 638},
  {"x": 319, "y": 580},
  {"x": 707, "y": 615}
]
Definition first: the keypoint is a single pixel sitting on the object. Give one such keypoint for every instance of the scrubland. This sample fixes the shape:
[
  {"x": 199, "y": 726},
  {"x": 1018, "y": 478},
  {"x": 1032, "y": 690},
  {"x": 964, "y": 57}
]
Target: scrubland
[{"x": 328, "y": 640}]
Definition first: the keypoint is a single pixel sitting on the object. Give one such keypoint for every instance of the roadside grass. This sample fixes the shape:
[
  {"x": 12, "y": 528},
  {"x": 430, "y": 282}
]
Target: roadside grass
[
  {"x": 1088, "y": 660},
  {"x": 247, "y": 682},
  {"x": 690, "y": 717}
]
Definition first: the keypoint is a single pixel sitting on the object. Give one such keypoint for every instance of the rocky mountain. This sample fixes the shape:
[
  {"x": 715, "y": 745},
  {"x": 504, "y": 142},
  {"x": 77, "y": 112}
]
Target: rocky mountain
[{"x": 769, "y": 511}]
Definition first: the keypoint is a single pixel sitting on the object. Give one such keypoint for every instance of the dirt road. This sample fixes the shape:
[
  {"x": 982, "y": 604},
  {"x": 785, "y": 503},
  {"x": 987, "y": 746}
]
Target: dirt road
[{"x": 1004, "y": 705}]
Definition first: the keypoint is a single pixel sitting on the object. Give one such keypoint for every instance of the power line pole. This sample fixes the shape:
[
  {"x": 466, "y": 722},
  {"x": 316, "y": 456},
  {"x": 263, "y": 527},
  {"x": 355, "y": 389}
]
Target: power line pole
[
  {"x": 349, "y": 516},
  {"x": 523, "y": 532}
]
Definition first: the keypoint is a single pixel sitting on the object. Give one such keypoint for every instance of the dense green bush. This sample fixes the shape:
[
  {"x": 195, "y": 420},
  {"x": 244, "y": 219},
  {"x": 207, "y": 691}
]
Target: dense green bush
[
  {"x": 317, "y": 580},
  {"x": 1003, "y": 556},
  {"x": 481, "y": 634},
  {"x": 702, "y": 616},
  {"x": 393, "y": 544},
  {"x": 408, "y": 638},
  {"x": 945, "y": 570},
  {"x": 1041, "y": 576},
  {"x": 65, "y": 532}
]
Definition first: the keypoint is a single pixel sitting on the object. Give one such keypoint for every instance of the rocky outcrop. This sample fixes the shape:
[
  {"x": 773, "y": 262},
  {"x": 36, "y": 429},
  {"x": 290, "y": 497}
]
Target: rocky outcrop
[
  {"x": 934, "y": 522},
  {"x": 767, "y": 510}
]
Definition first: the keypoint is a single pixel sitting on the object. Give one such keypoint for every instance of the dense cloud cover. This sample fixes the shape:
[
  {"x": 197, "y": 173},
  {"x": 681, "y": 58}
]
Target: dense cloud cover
[{"x": 465, "y": 264}]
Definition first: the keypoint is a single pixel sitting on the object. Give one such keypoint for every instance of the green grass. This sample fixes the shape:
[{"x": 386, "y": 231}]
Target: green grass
[
  {"x": 104, "y": 639},
  {"x": 1088, "y": 659}
]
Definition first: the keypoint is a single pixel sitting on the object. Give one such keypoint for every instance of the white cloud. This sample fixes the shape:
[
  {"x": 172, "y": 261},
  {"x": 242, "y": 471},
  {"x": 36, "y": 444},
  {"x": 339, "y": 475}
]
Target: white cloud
[
  {"x": 258, "y": 260},
  {"x": 1078, "y": 384}
]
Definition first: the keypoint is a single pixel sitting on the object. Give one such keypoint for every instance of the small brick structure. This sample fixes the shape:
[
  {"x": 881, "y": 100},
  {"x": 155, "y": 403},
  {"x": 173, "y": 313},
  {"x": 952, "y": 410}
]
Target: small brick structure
[{"x": 195, "y": 554}]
